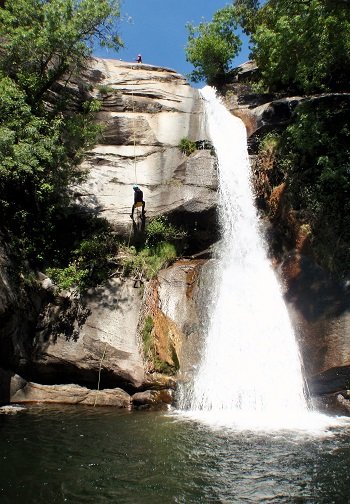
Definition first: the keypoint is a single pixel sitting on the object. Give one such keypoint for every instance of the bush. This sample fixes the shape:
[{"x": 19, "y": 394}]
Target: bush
[
  {"x": 147, "y": 335},
  {"x": 90, "y": 265},
  {"x": 69, "y": 277},
  {"x": 159, "y": 229},
  {"x": 187, "y": 146},
  {"x": 148, "y": 261}
]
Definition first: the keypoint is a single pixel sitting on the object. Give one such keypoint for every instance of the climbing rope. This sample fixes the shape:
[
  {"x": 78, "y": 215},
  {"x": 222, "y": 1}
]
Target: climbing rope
[
  {"x": 134, "y": 133},
  {"x": 134, "y": 144},
  {"x": 99, "y": 373}
]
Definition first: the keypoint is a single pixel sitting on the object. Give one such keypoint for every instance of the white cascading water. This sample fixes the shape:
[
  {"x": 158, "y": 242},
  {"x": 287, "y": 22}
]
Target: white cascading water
[{"x": 250, "y": 371}]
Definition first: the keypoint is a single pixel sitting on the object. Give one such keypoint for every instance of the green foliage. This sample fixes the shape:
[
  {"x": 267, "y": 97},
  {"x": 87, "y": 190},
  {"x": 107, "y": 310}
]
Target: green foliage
[
  {"x": 160, "y": 230},
  {"x": 163, "y": 241},
  {"x": 43, "y": 41},
  {"x": 212, "y": 46},
  {"x": 89, "y": 264},
  {"x": 269, "y": 143},
  {"x": 43, "y": 136},
  {"x": 66, "y": 278},
  {"x": 314, "y": 154},
  {"x": 299, "y": 46},
  {"x": 146, "y": 262},
  {"x": 302, "y": 46},
  {"x": 187, "y": 146},
  {"x": 147, "y": 335},
  {"x": 105, "y": 89},
  {"x": 245, "y": 11}
]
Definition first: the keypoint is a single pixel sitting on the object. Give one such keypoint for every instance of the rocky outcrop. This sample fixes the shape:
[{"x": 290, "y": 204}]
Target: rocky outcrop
[
  {"x": 146, "y": 111},
  {"x": 259, "y": 112},
  {"x": 71, "y": 394},
  {"x": 320, "y": 310},
  {"x": 104, "y": 343},
  {"x": 21, "y": 301},
  {"x": 177, "y": 302},
  {"x": 153, "y": 399},
  {"x": 62, "y": 339}
]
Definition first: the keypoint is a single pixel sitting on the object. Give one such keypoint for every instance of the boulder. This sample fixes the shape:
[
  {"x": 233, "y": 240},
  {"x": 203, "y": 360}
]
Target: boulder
[
  {"x": 71, "y": 394},
  {"x": 153, "y": 399},
  {"x": 11, "y": 409},
  {"x": 159, "y": 381}
]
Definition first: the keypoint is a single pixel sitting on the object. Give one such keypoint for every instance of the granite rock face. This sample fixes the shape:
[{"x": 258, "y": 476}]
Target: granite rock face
[
  {"x": 146, "y": 111},
  {"x": 320, "y": 310},
  {"x": 105, "y": 339},
  {"x": 178, "y": 302}
]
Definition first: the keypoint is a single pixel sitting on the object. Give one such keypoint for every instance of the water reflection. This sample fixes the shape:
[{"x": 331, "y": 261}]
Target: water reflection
[{"x": 82, "y": 455}]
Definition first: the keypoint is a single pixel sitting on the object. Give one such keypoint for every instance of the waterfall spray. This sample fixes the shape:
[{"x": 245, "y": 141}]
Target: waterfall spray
[{"x": 250, "y": 366}]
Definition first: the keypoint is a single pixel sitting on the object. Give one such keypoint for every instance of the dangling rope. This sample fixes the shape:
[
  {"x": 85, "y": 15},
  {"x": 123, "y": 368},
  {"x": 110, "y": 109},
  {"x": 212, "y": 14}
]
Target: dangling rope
[
  {"x": 99, "y": 373},
  {"x": 134, "y": 143},
  {"x": 134, "y": 133}
]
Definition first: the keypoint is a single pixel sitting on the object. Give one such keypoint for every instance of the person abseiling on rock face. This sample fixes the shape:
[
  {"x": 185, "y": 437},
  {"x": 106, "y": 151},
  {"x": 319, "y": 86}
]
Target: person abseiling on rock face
[
  {"x": 138, "y": 201},
  {"x": 139, "y": 58}
]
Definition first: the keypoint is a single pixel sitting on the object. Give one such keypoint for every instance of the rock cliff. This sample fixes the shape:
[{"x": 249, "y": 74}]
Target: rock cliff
[
  {"x": 95, "y": 341},
  {"x": 98, "y": 341},
  {"x": 146, "y": 111}
]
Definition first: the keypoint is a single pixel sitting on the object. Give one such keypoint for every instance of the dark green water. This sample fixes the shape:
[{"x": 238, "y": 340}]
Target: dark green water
[{"x": 84, "y": 455}]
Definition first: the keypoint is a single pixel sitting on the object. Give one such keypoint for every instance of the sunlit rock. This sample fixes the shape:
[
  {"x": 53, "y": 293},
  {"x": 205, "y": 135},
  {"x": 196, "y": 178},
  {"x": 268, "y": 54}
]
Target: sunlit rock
[
  {"x": 146, "y": 111},
  {"x": 71, "y": 394}
]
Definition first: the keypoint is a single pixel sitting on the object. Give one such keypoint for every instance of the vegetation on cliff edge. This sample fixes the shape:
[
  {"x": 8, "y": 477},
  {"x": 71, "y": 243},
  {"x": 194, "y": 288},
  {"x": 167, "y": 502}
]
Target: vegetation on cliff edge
[
  {"x": 305, "y": 174},
  {"x": 301, "y": 46},
  {"x": 45, "y": 128}
]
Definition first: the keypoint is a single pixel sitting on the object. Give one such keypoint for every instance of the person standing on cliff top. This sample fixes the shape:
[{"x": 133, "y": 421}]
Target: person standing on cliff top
[{"x": 139, "y": 58}]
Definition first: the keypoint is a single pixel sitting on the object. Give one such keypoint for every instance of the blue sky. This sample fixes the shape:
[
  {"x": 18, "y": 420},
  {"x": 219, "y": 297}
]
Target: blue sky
[{"x": 156, "y": 30}]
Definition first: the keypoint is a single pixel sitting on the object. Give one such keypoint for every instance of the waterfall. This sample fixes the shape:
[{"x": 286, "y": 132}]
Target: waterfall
[{"x": 250, "y": 368}]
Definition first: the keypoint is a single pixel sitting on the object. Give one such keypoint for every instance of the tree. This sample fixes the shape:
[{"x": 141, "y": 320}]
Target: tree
[
  {"x": 43, "y": 40},
  {"x": 42, "y": 140},
  {"x": 212, "y": 46},
  {"x": 303, "y": 45},
  {"x": 314, "y": 155},
  {"x": 245, "y": 11}
]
